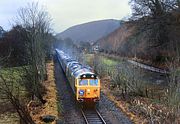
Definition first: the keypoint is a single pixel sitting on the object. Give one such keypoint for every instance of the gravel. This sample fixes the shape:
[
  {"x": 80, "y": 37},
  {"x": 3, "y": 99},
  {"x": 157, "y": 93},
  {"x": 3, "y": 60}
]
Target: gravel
[{"x": 111, "y": 113}]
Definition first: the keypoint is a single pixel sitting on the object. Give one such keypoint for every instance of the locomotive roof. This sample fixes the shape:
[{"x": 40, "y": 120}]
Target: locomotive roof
[
  {"x": 71, "y": 63},
  {"x": 82, "y": 71},
  {"x": 76, "y": 68}
]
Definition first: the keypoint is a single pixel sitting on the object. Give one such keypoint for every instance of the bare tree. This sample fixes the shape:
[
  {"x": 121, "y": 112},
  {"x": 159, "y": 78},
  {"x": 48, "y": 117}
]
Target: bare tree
[
  {"x": 153, "y": 8},
  {"x": 36, "y": 22}
]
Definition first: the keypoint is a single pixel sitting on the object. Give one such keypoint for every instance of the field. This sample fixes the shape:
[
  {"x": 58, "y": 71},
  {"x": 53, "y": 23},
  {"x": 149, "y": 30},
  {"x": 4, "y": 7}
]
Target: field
[
  {"x": 13, "y": 77},
  {"x": 16, "y": 81}
]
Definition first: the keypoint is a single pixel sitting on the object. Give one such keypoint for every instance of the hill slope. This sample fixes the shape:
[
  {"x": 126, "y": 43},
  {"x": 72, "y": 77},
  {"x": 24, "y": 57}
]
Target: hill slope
[
  {"x": 117, "y": 39},
  {"x": 91, "y": 31},
  {"x": 129, "y": 40}
]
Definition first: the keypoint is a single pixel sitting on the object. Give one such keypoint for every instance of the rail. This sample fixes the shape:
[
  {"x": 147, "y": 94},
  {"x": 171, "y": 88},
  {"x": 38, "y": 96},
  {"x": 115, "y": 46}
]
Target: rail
[{"x": 92, "y": 116}]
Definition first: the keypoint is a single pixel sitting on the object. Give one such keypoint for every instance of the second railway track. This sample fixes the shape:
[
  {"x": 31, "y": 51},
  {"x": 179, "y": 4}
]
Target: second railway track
[{"x": 92, "y": 116}]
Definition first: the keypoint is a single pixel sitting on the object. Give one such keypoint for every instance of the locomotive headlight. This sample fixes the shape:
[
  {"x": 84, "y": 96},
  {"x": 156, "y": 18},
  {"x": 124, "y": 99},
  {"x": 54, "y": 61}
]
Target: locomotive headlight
[{"x": 81, "y": 92}]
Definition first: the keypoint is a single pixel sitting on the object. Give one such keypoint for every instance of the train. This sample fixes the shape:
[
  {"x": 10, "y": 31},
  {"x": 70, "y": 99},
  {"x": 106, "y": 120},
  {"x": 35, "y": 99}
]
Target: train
[{"x": 82, "y": 79}]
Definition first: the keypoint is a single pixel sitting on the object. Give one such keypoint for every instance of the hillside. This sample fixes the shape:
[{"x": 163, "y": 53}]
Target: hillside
[
  {"x": 122, "y": 41},
  {"x": 117, "y": 39},
  {"x": 133, "y": 40},
  {"x": 91, "y": 31}
]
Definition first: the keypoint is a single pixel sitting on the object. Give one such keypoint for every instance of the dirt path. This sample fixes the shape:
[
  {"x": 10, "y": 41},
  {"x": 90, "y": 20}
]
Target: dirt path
[{"x": 147, "y": 67}]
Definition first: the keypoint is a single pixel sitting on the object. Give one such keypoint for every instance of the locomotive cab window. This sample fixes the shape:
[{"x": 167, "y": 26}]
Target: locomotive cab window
[
  {"x": 83, "y": 82},
  {"x": 93, "y": 82}
]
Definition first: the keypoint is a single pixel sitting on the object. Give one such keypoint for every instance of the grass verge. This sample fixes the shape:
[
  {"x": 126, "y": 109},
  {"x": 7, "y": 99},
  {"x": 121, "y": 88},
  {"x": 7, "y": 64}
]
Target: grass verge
[
  {"x": 13, "y": 76},
  {"x": 51, "y": 107}
]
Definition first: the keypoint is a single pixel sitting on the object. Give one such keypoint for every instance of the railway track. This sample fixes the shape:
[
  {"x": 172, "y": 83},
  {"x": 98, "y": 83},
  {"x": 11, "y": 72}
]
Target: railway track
[{"x": 92, "y": 116}]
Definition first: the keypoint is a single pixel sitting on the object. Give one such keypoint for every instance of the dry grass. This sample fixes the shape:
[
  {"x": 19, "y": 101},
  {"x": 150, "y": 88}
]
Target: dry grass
[
  {"x": 50, "y": 107},
  {"x": 139, "y": 109},
  {"x": 123, "y": 105},
  {"x": 9, "y": 118}
]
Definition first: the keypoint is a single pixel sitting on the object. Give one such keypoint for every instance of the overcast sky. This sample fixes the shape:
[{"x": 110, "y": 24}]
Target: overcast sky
[{"x": 66, "y": 13}]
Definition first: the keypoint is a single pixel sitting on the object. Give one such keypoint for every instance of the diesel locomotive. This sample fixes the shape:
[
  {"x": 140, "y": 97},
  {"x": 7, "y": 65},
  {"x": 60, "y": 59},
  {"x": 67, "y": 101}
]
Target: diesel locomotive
[{"x": 83, "y": 81}]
